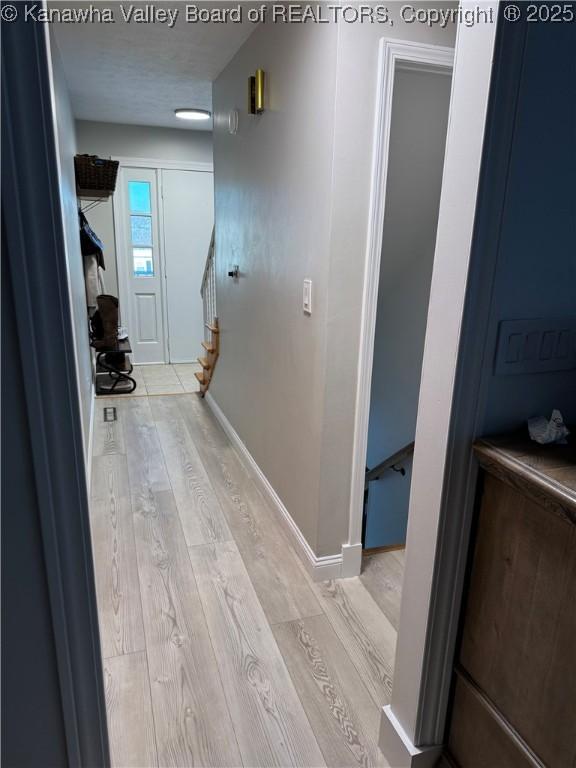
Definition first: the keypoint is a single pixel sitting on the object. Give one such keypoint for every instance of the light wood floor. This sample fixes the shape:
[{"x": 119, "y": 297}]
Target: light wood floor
[{"x": 218, "y": 650}]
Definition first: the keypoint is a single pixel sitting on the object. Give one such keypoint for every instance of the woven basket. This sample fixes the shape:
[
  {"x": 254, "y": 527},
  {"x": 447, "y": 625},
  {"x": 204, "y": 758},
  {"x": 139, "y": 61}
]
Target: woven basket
[{"x": 95, "y": 175}]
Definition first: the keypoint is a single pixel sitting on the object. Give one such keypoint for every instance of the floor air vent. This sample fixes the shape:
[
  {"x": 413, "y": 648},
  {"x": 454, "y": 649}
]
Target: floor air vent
[{"x": 109, "y": 413}]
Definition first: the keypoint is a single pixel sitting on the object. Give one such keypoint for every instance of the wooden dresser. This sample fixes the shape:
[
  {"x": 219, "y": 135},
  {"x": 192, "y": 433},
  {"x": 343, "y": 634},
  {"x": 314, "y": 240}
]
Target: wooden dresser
[{"x": 514, "y": 700}]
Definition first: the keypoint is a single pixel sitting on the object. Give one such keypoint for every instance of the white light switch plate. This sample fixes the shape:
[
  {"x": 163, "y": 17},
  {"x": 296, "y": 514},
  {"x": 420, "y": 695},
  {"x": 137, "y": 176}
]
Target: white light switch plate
[
  {"x": 307, "y": 296},
  {"x": 536, "y": 345}
]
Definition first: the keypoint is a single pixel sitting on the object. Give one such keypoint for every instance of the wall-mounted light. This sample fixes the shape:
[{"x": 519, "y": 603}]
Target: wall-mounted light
[
  {"x": 192, "y": 114},
  {"x": 256, "y": 93}
]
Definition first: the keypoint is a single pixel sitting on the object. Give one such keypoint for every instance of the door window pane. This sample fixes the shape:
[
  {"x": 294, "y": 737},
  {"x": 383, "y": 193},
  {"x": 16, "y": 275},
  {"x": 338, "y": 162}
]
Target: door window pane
[
  {"x": 140, "y": 197},
  {"x": 141, "y": 230},
  {"x": 143, "y": 262}
]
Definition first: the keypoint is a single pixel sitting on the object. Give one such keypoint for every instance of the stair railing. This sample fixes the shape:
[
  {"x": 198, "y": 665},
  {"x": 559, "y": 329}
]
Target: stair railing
[
  {"x": 391, "y": 462},
  {"x": 208, "y": 289}
]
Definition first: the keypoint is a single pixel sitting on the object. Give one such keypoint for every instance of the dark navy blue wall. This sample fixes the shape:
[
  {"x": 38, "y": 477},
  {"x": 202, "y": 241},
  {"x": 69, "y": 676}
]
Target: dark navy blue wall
[
  {"x": 32, "y": 732},
  {"x": 536, "y": 268},
  {"x": 53, "y": 708}
]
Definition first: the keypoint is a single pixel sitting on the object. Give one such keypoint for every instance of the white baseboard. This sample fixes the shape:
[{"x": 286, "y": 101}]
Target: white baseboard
[
  {"x": 88, "y": 457},
  {"x": 397, "y": 747},
  {"x": 318, "y": 568},
  {"x": 351, "y": 560}
]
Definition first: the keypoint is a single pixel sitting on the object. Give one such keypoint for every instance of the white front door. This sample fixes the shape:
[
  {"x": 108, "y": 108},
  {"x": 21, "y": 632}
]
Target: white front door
[
  {"x": 188, "y": 204},
  {"x": 140, "y": 261}
]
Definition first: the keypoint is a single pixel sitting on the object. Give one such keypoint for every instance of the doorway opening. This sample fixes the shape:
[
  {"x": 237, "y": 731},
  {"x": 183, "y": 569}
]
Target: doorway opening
[
  {"x": 414, "y": 94},
  {"x": 163, "y": 221}
]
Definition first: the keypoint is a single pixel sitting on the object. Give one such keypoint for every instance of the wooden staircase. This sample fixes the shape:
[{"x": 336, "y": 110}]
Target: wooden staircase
[
  {"x": 208, "y": 360},
  {"x": 211, "y": 341}
]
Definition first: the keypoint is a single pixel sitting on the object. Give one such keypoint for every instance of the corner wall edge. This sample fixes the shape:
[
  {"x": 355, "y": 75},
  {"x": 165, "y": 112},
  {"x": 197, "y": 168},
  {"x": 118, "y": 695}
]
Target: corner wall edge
[{"x": 318, "y": 568}]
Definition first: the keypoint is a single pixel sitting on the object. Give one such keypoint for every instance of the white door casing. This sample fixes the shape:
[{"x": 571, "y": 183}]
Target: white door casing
[
  {"x": 392, "y": 54},
  {"x": 443, "y": 475},
  {"x": 188, "y": 218},
  {"x": 140, "y": 264}
]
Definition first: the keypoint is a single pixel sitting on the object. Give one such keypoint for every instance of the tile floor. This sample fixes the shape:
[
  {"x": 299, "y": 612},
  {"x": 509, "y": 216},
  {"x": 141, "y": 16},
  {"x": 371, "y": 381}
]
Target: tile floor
[{"x": 166, "y": 379}]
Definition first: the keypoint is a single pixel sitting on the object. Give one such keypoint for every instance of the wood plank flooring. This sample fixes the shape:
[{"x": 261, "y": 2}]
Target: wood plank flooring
[
  {"x": 128, "y": 691},
  {"x": 117, "y": 584},
  {"x": 271, "y": 725},
  {"x": 337, "y": 703},
  {"x": 218, "y": 649},
  {"x": 382, "y": 576}
]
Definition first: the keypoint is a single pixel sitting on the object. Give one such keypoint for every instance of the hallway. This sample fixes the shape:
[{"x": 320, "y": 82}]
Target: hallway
[{"x": 218, "y": 649}]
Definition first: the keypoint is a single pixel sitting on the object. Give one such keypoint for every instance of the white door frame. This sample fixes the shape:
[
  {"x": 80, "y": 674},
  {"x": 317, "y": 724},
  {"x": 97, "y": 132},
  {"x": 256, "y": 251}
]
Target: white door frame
[
  {"x": 444, "y": 470},
  {"x": 121, "y": 238},
  {"x": 393, "y": 55},
  {"x": 120, "y": 224}
]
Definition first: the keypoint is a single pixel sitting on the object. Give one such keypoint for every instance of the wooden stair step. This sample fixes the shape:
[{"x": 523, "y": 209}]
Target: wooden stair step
[{"x": 208, "y": 361}]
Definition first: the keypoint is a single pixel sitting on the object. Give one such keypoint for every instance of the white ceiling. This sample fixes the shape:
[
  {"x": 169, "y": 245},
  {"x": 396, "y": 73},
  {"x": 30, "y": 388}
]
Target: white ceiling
[{"x": 139, "y": 73}]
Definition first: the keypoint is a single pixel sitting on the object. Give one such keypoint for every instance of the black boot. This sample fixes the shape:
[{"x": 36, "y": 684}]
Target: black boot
[{"x": 108, "y": 311}]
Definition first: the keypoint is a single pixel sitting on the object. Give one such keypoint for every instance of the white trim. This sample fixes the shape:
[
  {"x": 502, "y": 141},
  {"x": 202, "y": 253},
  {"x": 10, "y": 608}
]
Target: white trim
[
  {"x": 166, "y": 165},
  {"x": 351, "y": 560},
  {"x": 90, "y": 447},
  {"x": 120, "y": 216},
  {"x": 392, "y": 54},
  {"x": 434, "y": 568},
  {"x": 397, "y": 747},
  {"x": 163, "y": 277},
  {"x": 318, "y": 568}
]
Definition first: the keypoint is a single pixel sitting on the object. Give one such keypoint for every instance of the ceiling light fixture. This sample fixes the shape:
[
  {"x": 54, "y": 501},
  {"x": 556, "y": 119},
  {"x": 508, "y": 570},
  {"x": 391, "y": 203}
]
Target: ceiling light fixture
[{"x": 193, "y": 114}]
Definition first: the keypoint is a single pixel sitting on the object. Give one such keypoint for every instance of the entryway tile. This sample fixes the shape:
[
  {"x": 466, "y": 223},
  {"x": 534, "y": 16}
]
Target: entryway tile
[{"x": 165, "y": 389}]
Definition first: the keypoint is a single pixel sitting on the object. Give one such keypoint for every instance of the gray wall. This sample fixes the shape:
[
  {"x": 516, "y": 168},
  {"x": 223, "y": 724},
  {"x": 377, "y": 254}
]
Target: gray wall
[
  {"x": 66, "y": 142},
  {"x": 417, "y": 142},
  {"x": 292, "y": 193},
  {"x": 272, "y": 197},
  {"x": 107, "y": 139}
]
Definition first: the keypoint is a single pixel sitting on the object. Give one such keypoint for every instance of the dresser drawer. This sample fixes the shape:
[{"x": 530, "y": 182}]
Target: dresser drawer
[
  {"x": 520, "y": 621},
  {"x": 478, "y": 738}
]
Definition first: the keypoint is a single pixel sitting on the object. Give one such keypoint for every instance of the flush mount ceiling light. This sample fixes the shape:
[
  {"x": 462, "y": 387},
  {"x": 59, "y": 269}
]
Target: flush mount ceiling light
[{"x": 192, "y": 114}]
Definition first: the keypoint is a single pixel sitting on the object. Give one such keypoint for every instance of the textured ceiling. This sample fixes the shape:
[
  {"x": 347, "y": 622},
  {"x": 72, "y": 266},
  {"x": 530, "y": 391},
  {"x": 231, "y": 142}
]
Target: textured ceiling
[{"x": 138, "y": 73}]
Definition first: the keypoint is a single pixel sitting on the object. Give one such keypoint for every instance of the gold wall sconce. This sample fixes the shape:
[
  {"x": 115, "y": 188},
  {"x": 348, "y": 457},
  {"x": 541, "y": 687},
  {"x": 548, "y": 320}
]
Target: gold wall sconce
[{"x": 256, "y": 93}]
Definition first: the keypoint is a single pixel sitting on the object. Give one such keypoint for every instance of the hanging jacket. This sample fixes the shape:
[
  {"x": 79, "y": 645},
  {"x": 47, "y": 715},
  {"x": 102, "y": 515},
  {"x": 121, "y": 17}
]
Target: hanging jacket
[
  {"x": 90, "y": 243},
  {"x": 94, "y": 280}
]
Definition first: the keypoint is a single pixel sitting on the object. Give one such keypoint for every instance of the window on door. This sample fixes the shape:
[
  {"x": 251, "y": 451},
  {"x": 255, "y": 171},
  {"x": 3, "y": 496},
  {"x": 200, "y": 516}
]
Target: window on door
[{"x": 140, "y": 202}]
